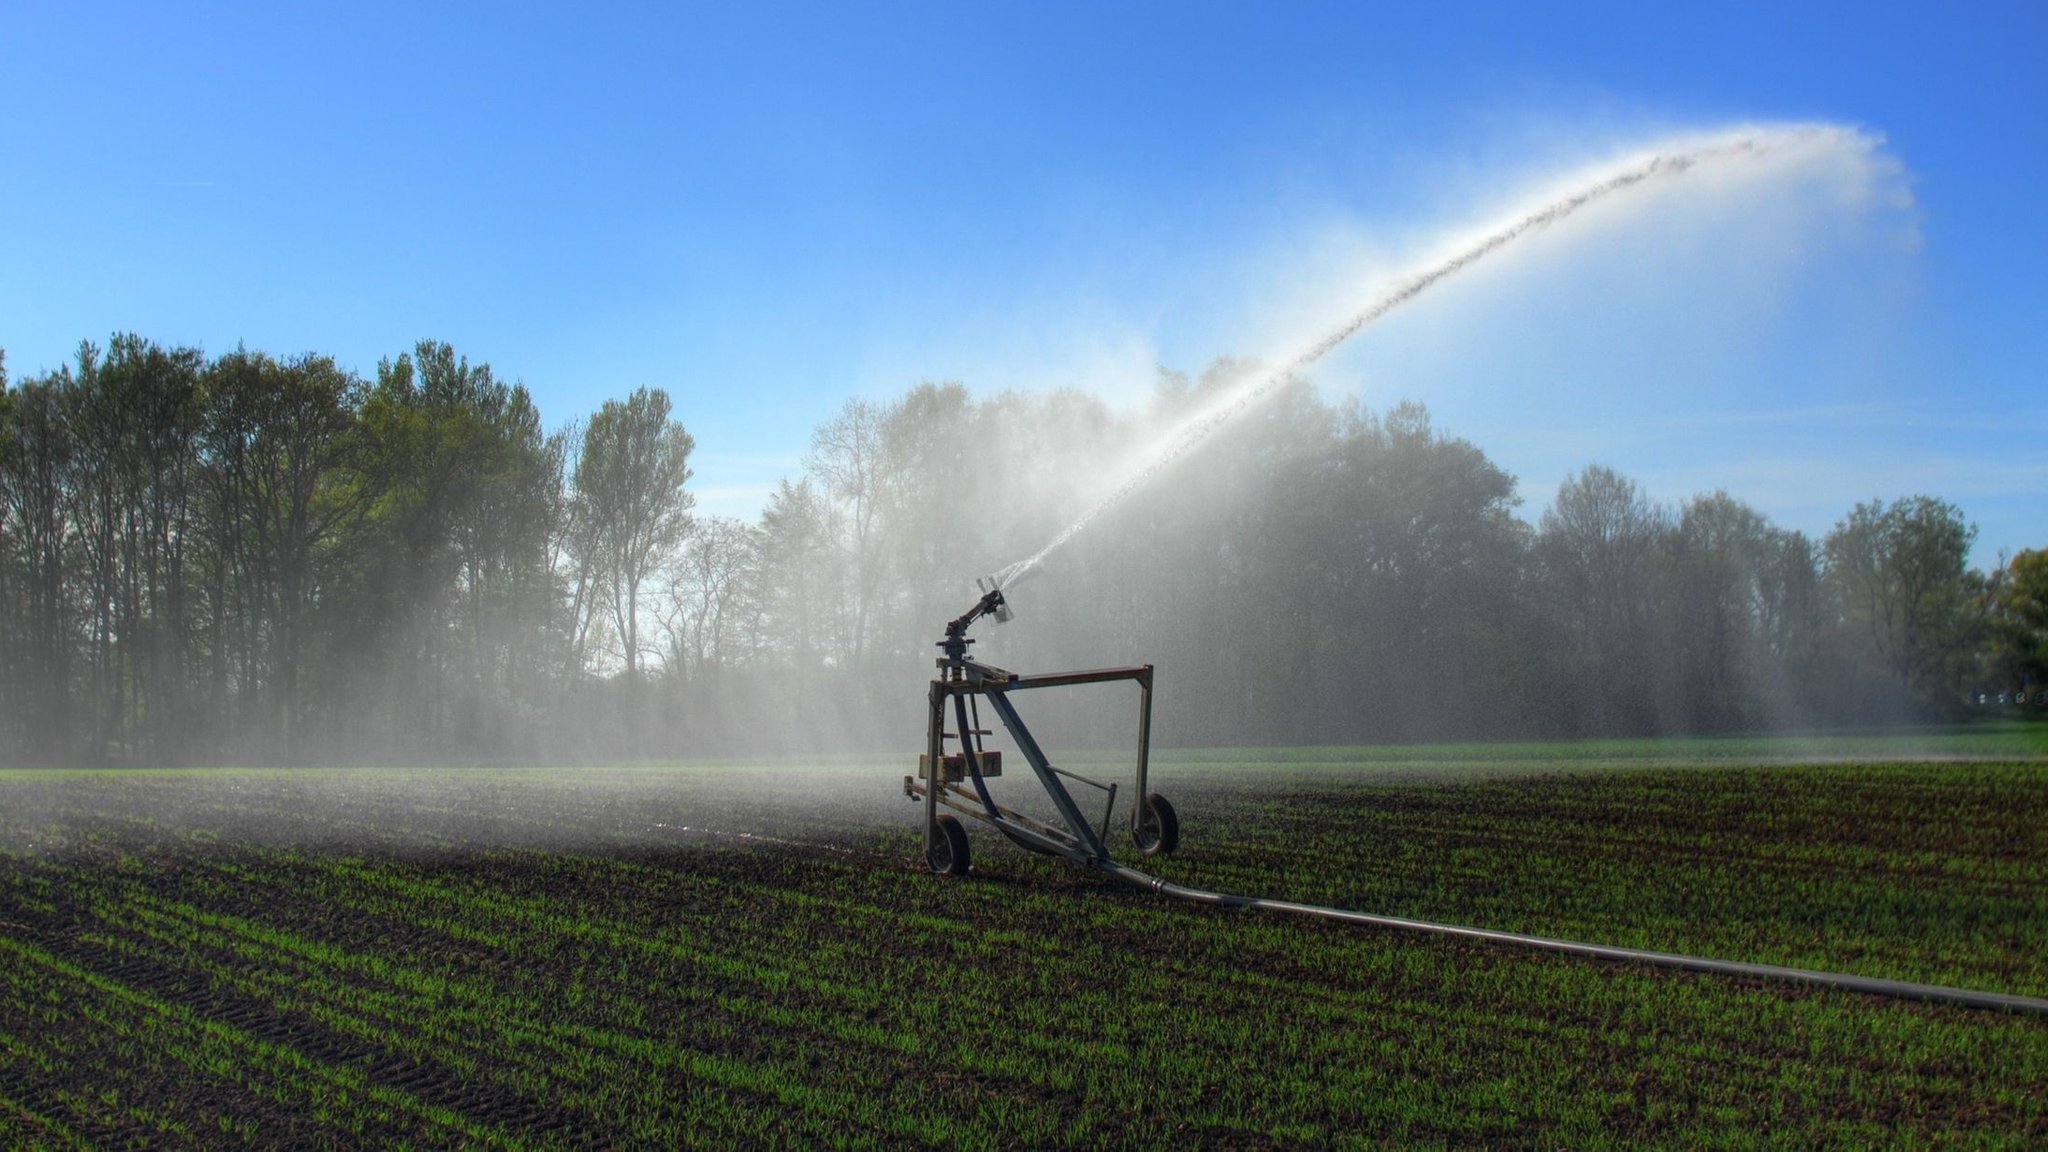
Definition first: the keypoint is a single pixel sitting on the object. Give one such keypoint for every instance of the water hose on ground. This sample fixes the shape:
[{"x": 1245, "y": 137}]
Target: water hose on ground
[{"x": 1871, "y": 985}]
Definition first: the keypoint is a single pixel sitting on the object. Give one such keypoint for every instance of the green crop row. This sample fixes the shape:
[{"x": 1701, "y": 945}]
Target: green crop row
[{"x": 687, "y": 959}]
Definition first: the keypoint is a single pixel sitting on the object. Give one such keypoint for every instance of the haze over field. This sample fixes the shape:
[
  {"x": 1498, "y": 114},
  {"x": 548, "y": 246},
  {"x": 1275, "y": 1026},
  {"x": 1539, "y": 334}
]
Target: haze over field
[
  {"x": 1517, "y": 390},
  {"x": 768, "y": 211}
]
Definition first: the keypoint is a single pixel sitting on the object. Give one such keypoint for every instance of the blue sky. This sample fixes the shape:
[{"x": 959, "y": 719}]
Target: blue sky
[{"x": 767, "y": 209}]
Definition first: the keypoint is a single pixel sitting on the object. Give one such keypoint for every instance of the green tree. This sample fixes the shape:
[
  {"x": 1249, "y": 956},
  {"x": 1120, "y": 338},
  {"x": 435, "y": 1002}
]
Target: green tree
[
  {"x": 2020, "y": 620},
  {"x": 796, "y": 546},
  {"x": 1741, "y": 613},
  {"x": 134, "y": 417},
  {"x": 630, "y": 491},
  {"x": 1600, "y": 551},
  {"x": 1386, "y": 554},
  {"x": 12, "y": 715},
  {"x": 450, "y": 579},
  {"x": 1902, "y": 589},
  {"x": 279, "y": 443},
  {"x": 36, "y": 462}
]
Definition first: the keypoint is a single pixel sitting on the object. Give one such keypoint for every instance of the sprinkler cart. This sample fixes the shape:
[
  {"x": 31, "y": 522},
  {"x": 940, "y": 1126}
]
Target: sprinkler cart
[{"x": 959, "y": 780}]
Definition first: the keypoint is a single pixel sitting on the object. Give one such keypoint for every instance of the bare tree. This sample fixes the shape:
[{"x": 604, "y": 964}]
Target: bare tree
[
  {"x": 714, "y": 577},
  {"x": 847, "y": 459}
]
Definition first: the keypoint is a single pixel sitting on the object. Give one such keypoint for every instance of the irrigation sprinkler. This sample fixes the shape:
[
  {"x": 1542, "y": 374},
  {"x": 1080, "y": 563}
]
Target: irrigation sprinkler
[{"x": 958, "y": 781}]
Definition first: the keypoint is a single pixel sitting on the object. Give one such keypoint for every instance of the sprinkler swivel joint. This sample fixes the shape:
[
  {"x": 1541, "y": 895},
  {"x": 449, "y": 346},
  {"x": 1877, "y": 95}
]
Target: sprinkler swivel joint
[{"x": 991, "y": 604}]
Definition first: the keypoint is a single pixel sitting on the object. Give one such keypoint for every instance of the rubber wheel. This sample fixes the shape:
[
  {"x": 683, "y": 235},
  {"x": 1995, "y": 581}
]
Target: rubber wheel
[
  {"x": 947, "y": 852},
  {"x": 1158, "y": 828}
]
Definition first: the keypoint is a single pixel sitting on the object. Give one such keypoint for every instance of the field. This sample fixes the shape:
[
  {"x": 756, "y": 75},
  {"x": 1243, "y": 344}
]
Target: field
[{"x": 751, "y": 954}]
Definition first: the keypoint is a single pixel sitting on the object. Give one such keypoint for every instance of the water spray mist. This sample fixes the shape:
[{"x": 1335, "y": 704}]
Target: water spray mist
[{"x": 1664, "y": 162}]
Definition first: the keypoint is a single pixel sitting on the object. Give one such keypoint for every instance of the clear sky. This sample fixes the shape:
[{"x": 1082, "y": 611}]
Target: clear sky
[{"x": 767, "y": 209}]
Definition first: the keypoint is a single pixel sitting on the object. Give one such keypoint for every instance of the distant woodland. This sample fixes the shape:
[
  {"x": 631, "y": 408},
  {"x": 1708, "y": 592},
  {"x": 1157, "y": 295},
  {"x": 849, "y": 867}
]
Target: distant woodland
[{"x": 251, "y": 559}]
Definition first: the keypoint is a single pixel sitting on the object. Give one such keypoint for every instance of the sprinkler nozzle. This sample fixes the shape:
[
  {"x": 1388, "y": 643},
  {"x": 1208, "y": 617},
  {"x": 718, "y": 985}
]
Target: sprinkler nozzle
[{"x": 992, "y": 596}]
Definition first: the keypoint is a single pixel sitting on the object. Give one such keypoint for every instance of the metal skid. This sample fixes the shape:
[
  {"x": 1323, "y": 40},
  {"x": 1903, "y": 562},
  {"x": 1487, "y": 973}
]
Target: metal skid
[{"x": 959, "y": 782}]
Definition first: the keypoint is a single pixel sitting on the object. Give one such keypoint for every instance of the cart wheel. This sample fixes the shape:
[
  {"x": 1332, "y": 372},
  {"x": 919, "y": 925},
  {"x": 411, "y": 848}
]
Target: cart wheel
[
  {"x": 947, "y": 852},
  {"x": 1158, "y": 829}
]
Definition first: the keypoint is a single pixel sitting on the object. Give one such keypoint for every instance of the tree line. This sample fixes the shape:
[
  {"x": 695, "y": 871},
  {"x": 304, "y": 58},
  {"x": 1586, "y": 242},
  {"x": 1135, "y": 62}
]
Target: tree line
[{"x": 254, "y": 559}]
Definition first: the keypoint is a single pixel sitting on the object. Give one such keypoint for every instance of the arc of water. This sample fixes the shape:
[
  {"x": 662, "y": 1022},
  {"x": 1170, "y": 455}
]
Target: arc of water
[{"x": 1198, "y": 427}]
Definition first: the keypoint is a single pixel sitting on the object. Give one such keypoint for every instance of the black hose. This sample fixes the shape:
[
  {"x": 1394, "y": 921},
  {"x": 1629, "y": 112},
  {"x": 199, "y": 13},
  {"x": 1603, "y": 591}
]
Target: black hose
[
  {"x": 970, "y": 754},
  {"x": 1898, "y": 989}
]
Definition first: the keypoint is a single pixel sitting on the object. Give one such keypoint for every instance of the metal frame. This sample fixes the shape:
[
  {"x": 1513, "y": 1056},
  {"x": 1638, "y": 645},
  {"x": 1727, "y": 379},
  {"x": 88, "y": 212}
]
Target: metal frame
[{"x": 963, "y": 681}]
